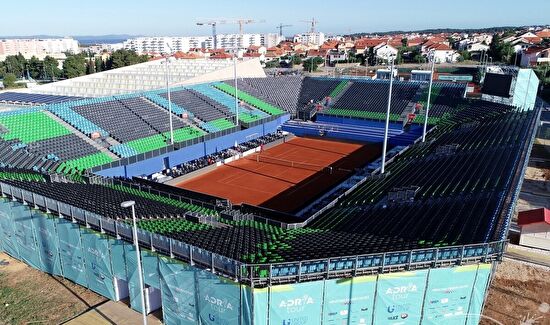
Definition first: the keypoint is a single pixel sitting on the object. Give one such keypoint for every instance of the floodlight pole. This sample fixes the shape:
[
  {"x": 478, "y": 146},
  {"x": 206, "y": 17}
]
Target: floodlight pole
[
  {"x": 131, "y": 204},
  {"x": 429, "y": 100},
  {"x": 168, "y": 92},
  {"x": 385, "y": 143},
  {"x": 236, "y": 91}
]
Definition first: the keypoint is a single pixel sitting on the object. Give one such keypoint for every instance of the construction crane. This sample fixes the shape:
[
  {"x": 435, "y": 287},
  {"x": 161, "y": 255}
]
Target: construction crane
[
  {"x": 280, "y": 28},
  {"x": 215, "y": 22},
  {"x": 313, "y": 23}
]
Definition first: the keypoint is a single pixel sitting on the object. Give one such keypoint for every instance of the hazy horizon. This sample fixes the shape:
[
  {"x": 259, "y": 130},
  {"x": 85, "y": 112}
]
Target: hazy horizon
[{"x": 176, "y": 18}]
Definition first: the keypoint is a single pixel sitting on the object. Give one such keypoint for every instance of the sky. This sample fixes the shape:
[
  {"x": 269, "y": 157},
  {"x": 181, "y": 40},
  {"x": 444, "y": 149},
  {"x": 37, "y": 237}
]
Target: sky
[{"x": 179, "y": 17}]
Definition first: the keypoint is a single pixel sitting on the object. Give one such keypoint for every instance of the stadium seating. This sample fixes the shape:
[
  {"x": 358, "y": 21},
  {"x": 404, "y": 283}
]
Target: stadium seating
[
  {"x": 114, "y": 117},
  {"x": 463, "y": 181},
  {"x": 280, "y": 91},
  {"x": 316, "y": 89},
  {"x": 246, "y": 114},
  {"x": 199, "y": 105},
  {"x": 251, "y": 100},
  {"x": 30, "y": 127}
]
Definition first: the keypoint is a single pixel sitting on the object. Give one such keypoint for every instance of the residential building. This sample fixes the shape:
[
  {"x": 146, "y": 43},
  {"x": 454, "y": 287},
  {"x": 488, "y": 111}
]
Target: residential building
[
  {"x": 535, "y": 228},
  {"x": 384, "y": 51},
  {"x": 37, "y": 47},
  {"x": 316, "y": 38},
  {"x": 185, "y": 44},
  {"x": 534, "y": 56}
]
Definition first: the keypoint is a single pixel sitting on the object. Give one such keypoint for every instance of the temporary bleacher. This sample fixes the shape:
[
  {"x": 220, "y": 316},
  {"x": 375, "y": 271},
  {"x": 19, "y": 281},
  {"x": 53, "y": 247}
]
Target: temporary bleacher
[
  {"x": 280, "y": 91},
  {"x": 315, "y": 89},
  {"x": 198, "y": 104},
  {"x": 457, "y": 184},
  {"x": 470, "y": 181},
  {"x": 140, "y": 77}
]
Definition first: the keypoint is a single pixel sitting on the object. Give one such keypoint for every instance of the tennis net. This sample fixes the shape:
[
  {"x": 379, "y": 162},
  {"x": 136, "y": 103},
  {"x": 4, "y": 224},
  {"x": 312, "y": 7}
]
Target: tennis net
[{"x": 292, "y": 164}]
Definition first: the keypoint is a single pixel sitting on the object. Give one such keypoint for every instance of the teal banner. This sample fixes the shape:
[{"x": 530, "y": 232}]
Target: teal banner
[
  {"x": 98, "y": 263},
  {"x": 246, "y": 305},
  {"x": 70, "y": 251},
  {"x": 298, "y": 303},
  {"x": 478, "y": 295},
  {"x": 399, "y": 297},
  {"x": 260, "y": 301},
  {"x": 47, "y": 242},
  {"x": 219, "y": 299},
  {"x": 150, "y": 262},
  {"x": 349, "y": 301},
  {"x": 133, "y": 278},
  {"x": 24, "y": 235},
  {"x": 179, "y": 304},
  {"x": 7, "y": 231},
  {"x": 448, "y": 295},
  {"x": 118, "y": 258}
]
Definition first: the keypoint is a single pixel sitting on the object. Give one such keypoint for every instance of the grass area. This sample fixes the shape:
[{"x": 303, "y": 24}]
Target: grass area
[
  {"x": 31, "y": 127},
  {"x": 30, "y": 296}
]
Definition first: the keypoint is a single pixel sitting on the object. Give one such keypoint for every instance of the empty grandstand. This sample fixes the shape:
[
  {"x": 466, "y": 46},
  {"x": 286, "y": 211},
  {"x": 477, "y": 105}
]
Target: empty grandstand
[
  {"x": 417, "y": 243},
  {"x": 148, "y": 76}
]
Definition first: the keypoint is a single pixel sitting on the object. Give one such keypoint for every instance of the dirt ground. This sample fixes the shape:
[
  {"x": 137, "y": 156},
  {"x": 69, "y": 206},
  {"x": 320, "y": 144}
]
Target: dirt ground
[
  {"x": 519, "y": 294},
  {"x": 28, "y": 296}
]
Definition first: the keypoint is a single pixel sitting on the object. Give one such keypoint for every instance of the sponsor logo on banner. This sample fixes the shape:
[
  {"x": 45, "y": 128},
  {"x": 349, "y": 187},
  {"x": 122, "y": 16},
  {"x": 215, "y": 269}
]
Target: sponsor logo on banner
[
  {"x": 220, "y": 305},
  {"x": 295, "y": 321},
  {"x": 296, "y": 305},
  {"x": 401, "y": 292}
]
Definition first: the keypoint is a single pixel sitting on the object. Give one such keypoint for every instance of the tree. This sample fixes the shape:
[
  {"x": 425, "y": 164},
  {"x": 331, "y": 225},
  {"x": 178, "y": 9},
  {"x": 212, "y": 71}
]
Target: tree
[
  {"x": 90, "y": 66},
  {"x": 9, "y": 80},
  {"x": 51, "y": 68},
  {"x": 370, "y": 58},
  {"x": 312, "y": 64},
  {"x": 74, "y": 66},
  {"x": 98, "y": 64},
  {"x": 15, "y": 64},
  {"x": 35, "y": 67},
  {"x": 404, "y": 42},
  {"x": 465, "y": 55},
  {"x": 122, "y": 58}
]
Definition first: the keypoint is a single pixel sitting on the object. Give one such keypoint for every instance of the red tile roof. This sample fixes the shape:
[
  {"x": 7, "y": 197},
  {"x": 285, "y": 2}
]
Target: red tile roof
[
  {"x": 534, "y": 49},
  {"x": 545, "y": 33},
  {"x": 534, "y": 216},
  {"x": 221, "y": 56}
]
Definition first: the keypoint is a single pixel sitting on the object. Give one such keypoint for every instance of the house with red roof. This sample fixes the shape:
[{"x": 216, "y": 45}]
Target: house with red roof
[
  {"x": 441, "y": 52},
  {"x": 534, "y": 56},
  {"x": 535, "y": 228},
  {"x": 545, "y": 33}
]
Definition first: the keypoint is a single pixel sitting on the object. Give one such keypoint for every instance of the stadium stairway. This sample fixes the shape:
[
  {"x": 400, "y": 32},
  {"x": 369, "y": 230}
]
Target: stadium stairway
[
  {"x": 340, "y": 91},
  {"x": 352, "y": 132},
  {"x": 82, "y": 135}
]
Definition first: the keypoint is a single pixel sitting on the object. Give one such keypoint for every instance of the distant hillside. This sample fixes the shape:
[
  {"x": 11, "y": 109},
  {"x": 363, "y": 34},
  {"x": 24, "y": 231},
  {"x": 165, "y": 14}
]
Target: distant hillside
[{"x": 447, "y": 30}]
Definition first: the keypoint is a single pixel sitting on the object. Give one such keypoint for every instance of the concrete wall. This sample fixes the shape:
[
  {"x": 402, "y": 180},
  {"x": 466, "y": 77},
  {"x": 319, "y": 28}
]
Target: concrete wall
[{"x": 536, "y": 235}]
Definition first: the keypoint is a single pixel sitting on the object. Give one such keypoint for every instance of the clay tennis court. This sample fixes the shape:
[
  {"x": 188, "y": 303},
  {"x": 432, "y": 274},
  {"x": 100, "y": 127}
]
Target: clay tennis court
[{"x": 293, "y": 174}]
